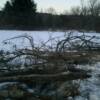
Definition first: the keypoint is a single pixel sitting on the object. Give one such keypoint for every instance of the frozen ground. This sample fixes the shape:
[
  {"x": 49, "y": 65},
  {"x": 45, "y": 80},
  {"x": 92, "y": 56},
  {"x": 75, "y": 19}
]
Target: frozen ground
[
  {"x": 38, "y": 36},
  {"x": 90, "y": 88}
]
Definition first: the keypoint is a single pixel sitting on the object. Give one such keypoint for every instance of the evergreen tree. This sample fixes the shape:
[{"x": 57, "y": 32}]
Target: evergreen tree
[
  {"x": 8, "y": 8},
  {"x": 19, "y": 13},
  {"x": 20, "y": 7}
]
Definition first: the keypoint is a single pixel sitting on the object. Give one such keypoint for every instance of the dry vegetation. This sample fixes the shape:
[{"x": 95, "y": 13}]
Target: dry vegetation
[
  {"x": 49, "y": 59},
  {"x": 48, "y": 66}
]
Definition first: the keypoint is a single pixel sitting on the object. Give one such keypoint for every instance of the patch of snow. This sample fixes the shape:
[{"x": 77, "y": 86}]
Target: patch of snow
[{"x": 38, "y": 36}]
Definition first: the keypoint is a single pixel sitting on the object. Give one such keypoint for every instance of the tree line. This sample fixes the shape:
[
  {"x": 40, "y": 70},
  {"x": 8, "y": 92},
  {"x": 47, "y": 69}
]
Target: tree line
[{"x": 22, "y": 14}]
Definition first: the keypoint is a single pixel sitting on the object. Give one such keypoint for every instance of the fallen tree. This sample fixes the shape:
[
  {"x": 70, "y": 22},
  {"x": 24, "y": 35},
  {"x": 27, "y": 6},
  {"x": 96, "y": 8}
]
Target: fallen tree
[
  {"x": 55, "y": 58},
  {"x": 64, "y": 76}
]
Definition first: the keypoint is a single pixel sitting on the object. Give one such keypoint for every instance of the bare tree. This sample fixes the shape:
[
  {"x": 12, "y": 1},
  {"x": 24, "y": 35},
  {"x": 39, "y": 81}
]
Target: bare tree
[
  {"x": 75, "y": 11},
  {"x": 84, "y": 8},
  {"x": 80, "y": 10},
  {"x": 51, "y": 10},
  {"x": 94, "y": 7}
]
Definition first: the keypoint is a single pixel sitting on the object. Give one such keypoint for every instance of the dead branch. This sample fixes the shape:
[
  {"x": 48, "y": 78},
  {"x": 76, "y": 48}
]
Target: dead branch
[{"x": 71, "y": 47}]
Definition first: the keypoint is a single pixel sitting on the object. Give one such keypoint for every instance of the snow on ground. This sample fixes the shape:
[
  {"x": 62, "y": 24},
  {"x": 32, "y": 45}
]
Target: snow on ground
[
  {"x": 90, "y": 86},
  {"x": 38, "y": 36}
]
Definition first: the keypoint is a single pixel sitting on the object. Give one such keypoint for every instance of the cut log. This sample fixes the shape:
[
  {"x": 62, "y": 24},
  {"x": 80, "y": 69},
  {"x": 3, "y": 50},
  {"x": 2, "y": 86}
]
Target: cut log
[{"x": 64, "y": 76}]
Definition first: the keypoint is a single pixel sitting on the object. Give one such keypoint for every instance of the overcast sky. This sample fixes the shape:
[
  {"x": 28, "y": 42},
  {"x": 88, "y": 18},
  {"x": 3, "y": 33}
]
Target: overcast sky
[{"x": 59, "y": 5}]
